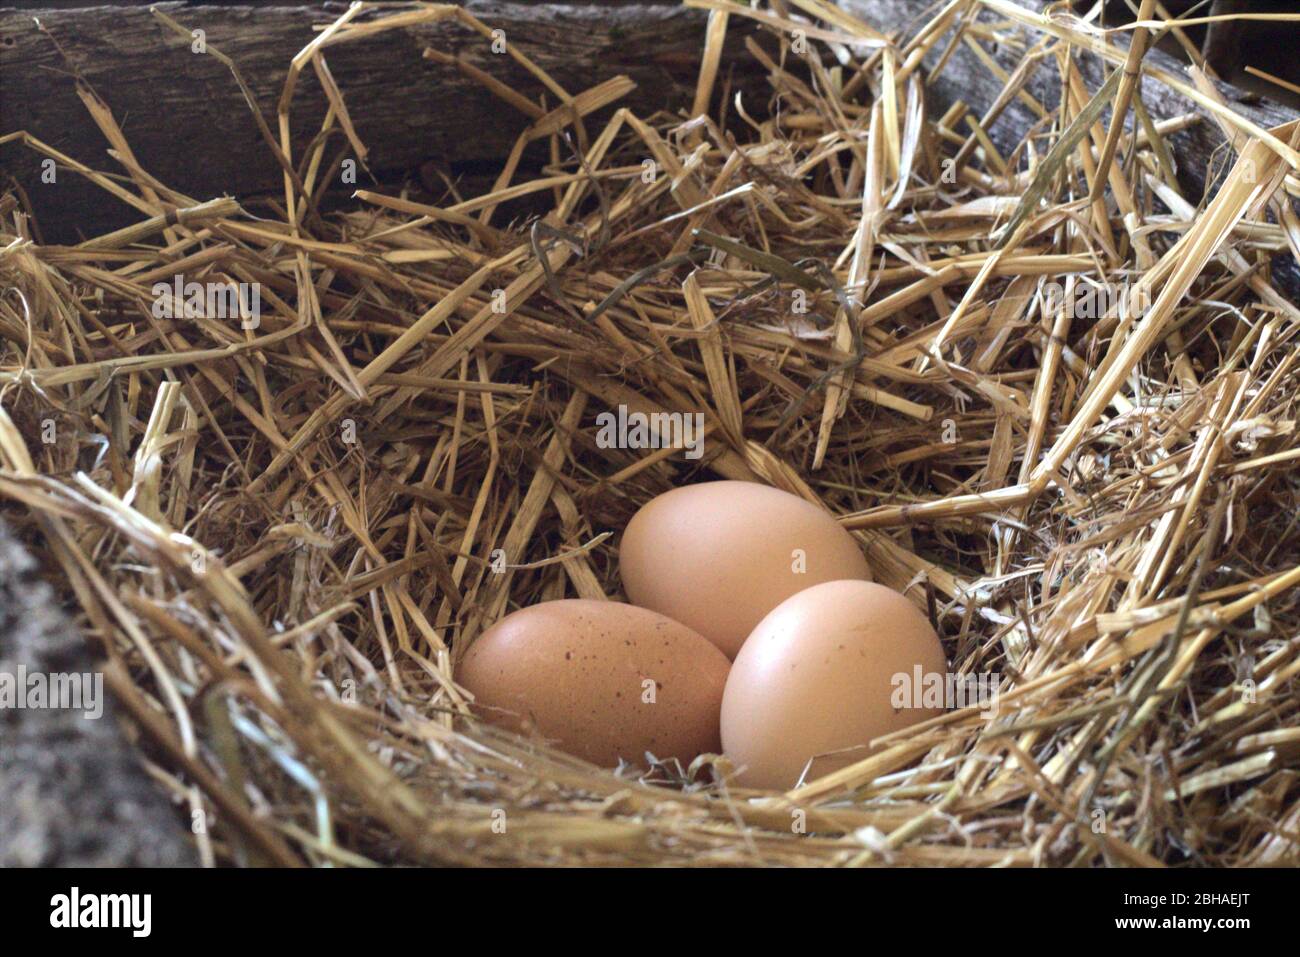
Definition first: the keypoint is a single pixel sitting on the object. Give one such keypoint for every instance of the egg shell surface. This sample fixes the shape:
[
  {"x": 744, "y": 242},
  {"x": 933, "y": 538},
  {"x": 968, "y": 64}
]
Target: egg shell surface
[
  {"x": 601, "y": 680},
  {"x": 718, "y": 556},
  {"x": 818, "y": 675}
]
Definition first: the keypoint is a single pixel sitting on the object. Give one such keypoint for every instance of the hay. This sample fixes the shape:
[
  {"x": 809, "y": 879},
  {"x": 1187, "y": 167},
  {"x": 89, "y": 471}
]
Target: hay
[{"x": 284, "y": 536}]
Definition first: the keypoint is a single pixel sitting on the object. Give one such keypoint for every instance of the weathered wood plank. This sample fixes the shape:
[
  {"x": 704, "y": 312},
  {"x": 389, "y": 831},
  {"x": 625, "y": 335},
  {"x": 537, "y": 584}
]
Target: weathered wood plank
[{"x": 187, "y": 122}]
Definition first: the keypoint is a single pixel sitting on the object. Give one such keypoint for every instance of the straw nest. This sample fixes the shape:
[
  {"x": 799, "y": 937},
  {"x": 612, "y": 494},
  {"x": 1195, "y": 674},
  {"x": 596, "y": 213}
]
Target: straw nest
[{"x": 283, "y": 536}]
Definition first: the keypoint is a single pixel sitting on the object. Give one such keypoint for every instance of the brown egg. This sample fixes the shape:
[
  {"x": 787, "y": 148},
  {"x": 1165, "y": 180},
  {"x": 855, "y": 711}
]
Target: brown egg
[
  {"x": 820, "y": 674},
  {"x": 720, "y": 555},
  {"x": 601, "y": 680}
]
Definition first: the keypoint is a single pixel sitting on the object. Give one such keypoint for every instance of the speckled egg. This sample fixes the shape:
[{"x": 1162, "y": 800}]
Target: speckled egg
[{"x": 601, "y": 680}]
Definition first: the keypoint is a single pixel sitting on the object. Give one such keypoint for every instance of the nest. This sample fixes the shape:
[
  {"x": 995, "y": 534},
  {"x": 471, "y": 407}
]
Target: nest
[{"x": 1053, "y": 398}]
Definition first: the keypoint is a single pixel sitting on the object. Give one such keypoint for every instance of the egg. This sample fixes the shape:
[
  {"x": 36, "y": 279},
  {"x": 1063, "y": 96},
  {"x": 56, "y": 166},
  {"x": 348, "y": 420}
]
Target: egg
[
  {"x": 718, "y": 556},
  {"x": 821, "y": 673},
  {"x": 601, "y": 680}
]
